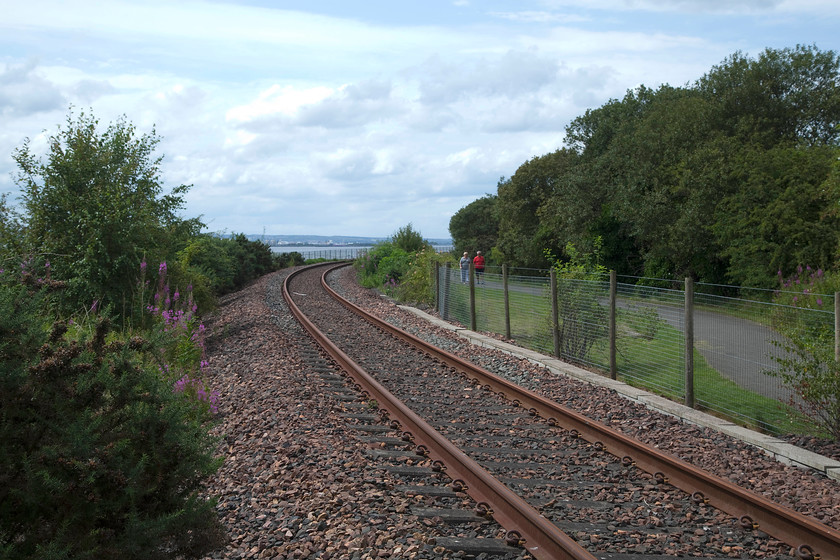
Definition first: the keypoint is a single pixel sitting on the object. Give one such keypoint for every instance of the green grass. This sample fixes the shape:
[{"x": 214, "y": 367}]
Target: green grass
[{"x": 649, "y": 357}]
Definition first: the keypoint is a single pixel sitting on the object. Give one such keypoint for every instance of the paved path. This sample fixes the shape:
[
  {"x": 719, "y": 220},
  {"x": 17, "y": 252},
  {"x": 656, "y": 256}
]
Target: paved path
[{"x": 737, "y": 348}]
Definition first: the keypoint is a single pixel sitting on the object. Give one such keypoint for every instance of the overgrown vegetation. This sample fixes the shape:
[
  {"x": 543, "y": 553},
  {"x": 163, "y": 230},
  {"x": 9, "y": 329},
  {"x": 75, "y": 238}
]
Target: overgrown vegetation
[
  {"x": 104, "y": 405},
  {"x": 99, "y": 456},
  {"x": 581, "y": 319},
  {"x": 400, "y": 267},
  {"x": 804, "y": 316}
]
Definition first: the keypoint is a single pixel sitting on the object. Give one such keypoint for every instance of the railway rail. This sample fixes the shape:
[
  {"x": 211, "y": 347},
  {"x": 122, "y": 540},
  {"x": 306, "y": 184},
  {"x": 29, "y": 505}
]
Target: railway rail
[{"x": 560, "y": 484}]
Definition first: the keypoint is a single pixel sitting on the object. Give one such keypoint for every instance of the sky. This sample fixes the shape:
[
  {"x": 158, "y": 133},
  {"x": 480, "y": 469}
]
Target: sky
[{"x": 358, "y": 117}]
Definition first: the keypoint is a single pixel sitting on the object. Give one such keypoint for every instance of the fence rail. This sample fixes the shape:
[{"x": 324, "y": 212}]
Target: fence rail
[{"x": 689, "y": 343}]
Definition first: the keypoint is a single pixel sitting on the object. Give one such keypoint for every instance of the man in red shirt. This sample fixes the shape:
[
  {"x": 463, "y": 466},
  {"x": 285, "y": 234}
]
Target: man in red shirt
[{"x": 478, "y": 264}]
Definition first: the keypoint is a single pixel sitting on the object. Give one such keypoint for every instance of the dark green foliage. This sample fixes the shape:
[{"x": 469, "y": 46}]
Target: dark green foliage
[
  {"x": 99, "y": 458},
  {"x": 286, "y": 260},
  {"x": 409, "y": 240},
  {"x": 523, "y": 237},
  {"x": 11, "y": 235},
  {"x": 725, "y": 180},
  {"x": 476, "y": 226},
  {"x": 383, "y": 266},
  {"x": 779, "y": 217},
  {"x": 227, "y": 263}
]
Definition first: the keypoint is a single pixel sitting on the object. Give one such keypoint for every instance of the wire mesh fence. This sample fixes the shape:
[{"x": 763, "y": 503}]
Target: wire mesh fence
[{"x": 735, "y": 348}]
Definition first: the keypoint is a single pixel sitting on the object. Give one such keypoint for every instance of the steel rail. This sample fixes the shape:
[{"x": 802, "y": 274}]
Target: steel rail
[
  {"x": 812, "y": 539},
  {"x": 526, "y": 526}
]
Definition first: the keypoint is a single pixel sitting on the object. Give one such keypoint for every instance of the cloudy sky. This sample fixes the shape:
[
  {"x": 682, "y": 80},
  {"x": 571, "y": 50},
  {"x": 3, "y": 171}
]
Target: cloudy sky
[{"x": 358, "y": 117}]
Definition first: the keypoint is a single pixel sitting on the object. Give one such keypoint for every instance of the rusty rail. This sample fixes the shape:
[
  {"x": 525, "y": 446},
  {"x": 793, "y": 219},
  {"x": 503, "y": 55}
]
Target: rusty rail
[
  {"x": 812, "y": 540},
  {"x": 525, "y": 525}
]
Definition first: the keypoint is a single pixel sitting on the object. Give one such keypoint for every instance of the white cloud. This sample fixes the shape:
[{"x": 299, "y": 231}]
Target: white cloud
[
  {"x": 315, "y": 123},
  {"x": 278, "y": 100},
  {"x": 24, "y": 91}
]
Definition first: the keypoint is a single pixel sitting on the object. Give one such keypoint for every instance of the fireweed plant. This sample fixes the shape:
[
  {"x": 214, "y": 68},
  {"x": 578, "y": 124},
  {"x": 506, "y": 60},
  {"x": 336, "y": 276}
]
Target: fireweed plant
[{"x": 183, "y": 356}]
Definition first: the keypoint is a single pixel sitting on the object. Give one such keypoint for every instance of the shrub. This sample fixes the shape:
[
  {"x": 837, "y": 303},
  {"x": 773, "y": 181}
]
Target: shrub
[
  {"x": 416, "y": 284},
  {"x": 97, "y": 204},
  {"x": 582, "y": 320},
  {"x": 807, "y": 362},
  {"x": 99, "y": 457}
]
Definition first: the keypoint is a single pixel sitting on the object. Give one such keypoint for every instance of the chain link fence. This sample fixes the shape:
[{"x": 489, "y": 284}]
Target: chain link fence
[{"x": 637, "y": 332}]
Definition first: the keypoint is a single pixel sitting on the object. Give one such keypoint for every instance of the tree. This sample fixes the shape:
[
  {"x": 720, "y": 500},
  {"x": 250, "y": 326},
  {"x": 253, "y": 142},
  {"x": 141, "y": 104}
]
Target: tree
[
  {"x": 522, "y": 236},
  {"x": 782, "y": 96},
  {"x": 409, "y": 240},
  {"x": 11, "y": 233},
  {"x": 780, "y": 217},
  {"x": 476, "y": 225},
  {"x": 96, "y": 205}
]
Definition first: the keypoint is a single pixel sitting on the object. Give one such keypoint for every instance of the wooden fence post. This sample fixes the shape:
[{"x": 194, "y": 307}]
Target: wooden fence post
[
  {"x": 507, "y": 301},
  {"x": 613, "y": 334},
  {"x": 435, "y": 285},
  {"x": 837, "y": 326},
  {"x": 689, "y": 342},
  {"x": 555, "y": 314},
  {"x": 444, "y": 304},
  {"x": 472, "y": 298}
]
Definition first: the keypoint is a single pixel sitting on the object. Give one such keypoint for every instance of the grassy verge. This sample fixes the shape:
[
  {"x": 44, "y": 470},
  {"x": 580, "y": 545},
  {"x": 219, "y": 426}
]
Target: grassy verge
[{"x": 654, "y": 362}]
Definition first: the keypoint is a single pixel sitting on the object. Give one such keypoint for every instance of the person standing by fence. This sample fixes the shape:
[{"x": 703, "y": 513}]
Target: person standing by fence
[
  {"x": 464, "y": 263},
  {"x": 478, "y": 262}
]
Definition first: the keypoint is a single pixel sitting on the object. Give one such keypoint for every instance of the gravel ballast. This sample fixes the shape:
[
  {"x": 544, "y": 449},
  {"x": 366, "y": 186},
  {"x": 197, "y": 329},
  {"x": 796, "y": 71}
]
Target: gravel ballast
[{"x": 295, "y": 481}]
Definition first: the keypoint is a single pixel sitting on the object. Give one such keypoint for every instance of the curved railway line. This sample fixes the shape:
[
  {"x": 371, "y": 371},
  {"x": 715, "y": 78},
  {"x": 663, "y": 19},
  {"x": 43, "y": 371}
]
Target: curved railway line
[{"x": 559, "y": 484}]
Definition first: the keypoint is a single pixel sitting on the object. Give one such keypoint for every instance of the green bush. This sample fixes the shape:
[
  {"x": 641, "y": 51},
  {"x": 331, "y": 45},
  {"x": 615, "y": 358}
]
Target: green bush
[
  {"x": 416, "y": 286},
  {"x": 99, "y": 456},
  {"x": 96, "y": 203},
  {"x": 227, "y": 263},
  {"x": 807, "y": 364},
  {"x": 582, "y": 319}
]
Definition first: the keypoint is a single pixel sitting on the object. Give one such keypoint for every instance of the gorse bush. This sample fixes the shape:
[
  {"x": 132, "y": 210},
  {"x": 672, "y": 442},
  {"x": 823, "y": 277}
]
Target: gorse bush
[{"x": 99, "y": 456}]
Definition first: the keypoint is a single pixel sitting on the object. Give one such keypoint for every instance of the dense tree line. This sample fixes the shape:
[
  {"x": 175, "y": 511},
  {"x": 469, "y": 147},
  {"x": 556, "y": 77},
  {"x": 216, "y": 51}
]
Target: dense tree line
[{"x": 727, "y": 180}]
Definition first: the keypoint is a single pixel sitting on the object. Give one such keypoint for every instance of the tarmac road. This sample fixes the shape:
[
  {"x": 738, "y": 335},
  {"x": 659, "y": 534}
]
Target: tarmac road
[{"x": 739, "y": 349}]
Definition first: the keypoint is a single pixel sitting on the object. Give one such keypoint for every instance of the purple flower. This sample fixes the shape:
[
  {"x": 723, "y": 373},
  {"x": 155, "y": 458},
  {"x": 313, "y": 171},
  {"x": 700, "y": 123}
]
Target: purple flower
[
  {"x": 819, "y": 301},
  {"x": 162, "y": 268}
]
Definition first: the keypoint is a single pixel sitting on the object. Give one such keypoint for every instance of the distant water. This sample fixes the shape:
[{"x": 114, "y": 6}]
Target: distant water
[
  {"x": 321, "y": 252},
  {"x": 331, "y": 252}
]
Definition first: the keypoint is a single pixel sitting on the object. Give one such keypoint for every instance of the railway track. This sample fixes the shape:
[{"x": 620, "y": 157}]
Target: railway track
[{"x": 560, "y": 485}]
